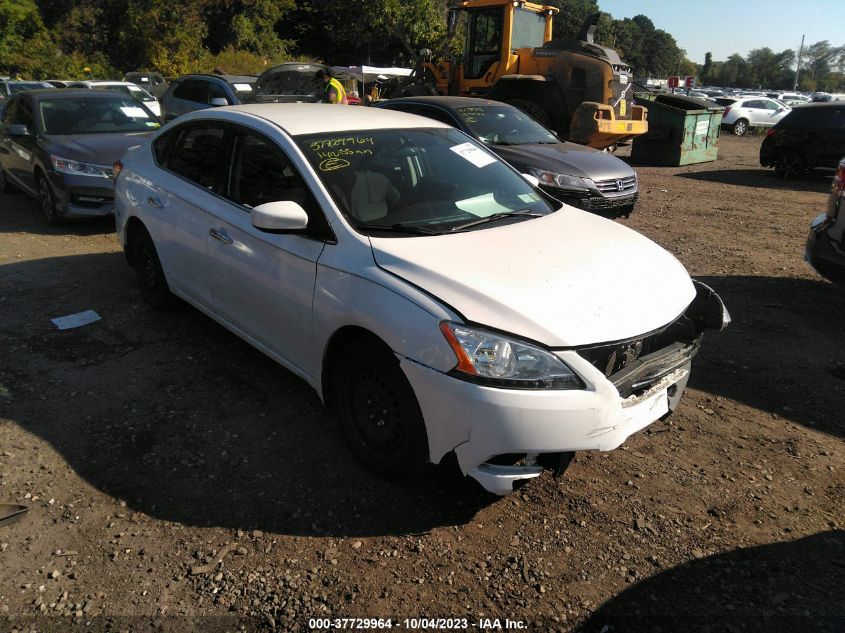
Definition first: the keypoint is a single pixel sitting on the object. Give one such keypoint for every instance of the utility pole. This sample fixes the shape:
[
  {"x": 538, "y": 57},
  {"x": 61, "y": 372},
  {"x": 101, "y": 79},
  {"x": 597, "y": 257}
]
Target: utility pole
[{"x": 798, "y": 67}]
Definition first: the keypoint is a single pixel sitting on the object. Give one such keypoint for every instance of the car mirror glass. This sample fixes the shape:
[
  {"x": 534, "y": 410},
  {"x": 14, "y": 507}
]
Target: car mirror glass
[
  {"x": 280, "y": 216},
  {"x": 218, "y": 102}
]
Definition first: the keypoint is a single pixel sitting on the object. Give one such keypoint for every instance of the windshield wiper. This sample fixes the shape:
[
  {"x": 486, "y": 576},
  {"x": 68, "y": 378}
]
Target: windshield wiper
[
  {"x": 525, "y": 213},
  {"x": 400, "y": 228}
]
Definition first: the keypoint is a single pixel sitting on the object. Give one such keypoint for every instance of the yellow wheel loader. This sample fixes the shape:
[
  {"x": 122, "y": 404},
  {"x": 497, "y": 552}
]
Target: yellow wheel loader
[{"x": 581, "y": 90}]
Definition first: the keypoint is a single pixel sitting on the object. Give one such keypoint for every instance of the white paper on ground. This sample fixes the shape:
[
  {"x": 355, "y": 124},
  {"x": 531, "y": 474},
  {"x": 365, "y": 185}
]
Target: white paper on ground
[
  {"x": 473, "y": 154},
  {"x": 75, "y": 320}
]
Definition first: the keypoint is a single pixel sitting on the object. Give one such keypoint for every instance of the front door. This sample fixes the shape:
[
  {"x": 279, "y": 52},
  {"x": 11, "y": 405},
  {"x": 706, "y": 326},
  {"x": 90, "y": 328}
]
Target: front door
[{"x": 263, "y": 283}]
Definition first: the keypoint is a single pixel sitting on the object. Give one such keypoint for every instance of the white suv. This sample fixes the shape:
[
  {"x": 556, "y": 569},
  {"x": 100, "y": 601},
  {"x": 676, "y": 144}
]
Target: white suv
[{"x": 746, "y": 112}]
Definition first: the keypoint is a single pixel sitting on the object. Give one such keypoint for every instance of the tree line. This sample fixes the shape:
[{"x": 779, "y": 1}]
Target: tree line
[{"x": 105, "y": 38}]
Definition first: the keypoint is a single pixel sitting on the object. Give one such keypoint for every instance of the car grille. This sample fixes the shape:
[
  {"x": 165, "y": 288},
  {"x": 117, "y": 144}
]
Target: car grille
[
  {"x": 634, "y": 365},
  {"x": 613, "y": 203},
  {"x": 616, "y": 185}
]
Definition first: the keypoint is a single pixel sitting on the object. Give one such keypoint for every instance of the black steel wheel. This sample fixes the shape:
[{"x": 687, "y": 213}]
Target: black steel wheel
[
  {"x": 149, "y": 273},
  {"x": 47, "y": 201},
  {"x": 378, "y": 411}
]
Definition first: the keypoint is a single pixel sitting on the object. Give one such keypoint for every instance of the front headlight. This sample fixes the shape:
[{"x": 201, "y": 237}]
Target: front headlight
[
  {"x": 499, "y": 361},
  {"x": 76, "y": 168},
  {"x": 561, "y": 181}
]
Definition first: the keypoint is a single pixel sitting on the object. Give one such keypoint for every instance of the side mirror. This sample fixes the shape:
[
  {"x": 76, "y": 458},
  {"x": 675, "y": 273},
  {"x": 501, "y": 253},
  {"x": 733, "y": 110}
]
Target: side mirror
[
  {"x": 282, "y": 216},
  {"x": 535, "y": 182},
  {"x": 18, "y": 129},
  {"x": 219, "y": 102}
]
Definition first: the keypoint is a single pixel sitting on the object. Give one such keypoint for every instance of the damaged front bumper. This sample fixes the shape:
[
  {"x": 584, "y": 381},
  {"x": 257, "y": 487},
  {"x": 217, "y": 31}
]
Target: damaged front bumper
[{"x": 629, "y": 385}]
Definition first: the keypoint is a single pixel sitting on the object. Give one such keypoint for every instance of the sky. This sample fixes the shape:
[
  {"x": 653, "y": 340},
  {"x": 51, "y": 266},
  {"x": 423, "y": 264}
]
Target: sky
[{"x": 724, "y": 27}]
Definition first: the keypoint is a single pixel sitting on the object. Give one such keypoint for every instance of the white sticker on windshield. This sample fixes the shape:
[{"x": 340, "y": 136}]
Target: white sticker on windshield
[
  {"x": 243, "y": 87},
  {"x": 132, "y": 111},
  {"x": 473, "y": 154},
  {"x": 529, "y": 197}
]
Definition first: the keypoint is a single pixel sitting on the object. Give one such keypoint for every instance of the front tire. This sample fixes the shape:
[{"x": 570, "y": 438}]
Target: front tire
[
  {"x": 533, "y": 110},
  {"x": 47, "y": 201},
  {"x": 740, "y": 127},
  {"x": 378, "y": 411},
  {"x": 149, "y": 273}
]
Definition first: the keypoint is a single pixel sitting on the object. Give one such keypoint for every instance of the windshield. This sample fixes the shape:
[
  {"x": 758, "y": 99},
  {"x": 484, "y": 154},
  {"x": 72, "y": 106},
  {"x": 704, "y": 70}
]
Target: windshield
[
  {"x": 15, "y": 88},
  {"x": 95, "y": 115},
  {"x": 418, "y": 180},
  {"x": 504, "y": 125},
  {"x": 135, "y": 92}
]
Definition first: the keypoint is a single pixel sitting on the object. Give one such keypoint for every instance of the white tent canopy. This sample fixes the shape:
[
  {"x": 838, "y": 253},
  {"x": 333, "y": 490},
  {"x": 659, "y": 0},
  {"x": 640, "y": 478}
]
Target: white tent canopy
[{"x": 366, "y": 74}]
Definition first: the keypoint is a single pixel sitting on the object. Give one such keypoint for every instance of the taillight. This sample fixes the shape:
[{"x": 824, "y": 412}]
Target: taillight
[
  {"x": 770, "y": 132},
  {"x": 117, "y": 167},
  {"x": 725, "y": 113}
]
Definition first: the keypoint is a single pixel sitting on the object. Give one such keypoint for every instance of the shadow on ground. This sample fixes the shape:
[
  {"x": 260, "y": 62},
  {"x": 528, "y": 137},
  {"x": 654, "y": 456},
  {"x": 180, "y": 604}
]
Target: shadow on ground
[
  {"x": 184, "y": 421},
  {"x": 762, "y": 178},
  {"x": 778, "y": 588},
  {"x": 784, "y": 351}
]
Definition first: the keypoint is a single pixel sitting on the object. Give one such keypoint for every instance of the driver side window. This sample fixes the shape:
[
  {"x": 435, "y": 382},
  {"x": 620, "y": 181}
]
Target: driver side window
[{"x": 485, "y": 44}]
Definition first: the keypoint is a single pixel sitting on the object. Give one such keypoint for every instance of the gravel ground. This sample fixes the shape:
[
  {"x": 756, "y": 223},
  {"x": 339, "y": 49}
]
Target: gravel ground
[{"x": 179, "y": 480}]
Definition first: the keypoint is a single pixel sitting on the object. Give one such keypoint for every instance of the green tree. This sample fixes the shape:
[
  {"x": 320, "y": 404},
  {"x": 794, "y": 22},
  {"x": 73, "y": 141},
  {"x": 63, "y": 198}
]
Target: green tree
[
  {"x": 707, "y": 69},
  {"x": 572, "y": 14}
]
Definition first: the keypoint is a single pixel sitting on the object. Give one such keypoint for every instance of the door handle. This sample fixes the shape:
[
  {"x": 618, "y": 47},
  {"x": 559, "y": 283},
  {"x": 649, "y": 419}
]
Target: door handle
[
  {"x": 155, "y": 201},
  {"x": 220, "y": 236}
]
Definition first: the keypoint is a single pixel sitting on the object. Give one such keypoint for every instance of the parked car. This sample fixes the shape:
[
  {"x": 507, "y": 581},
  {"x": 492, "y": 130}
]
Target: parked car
[
  {"x": 59, "y": 83},
  {"x": 291, "y": 82},
  {"x": 825, "y": 249},
  {"x": 578, "y": 175},
  {"x": 153, "y": 83},
  {"x": 434, "y": 298},
  {"x": 10, "y": 88},
  {"x": 743, "y": 113},
  {"x": 197, "y": 92},
  {"x": 125, "y": 88},
  {"x": 59, "y": 146},
  {"x": 810, "y": 137}
]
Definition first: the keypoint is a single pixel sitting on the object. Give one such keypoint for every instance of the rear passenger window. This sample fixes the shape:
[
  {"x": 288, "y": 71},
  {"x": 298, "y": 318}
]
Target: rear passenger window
[
  {"x": 195, "y": 152},
  {"x": 192, "y": 90}
]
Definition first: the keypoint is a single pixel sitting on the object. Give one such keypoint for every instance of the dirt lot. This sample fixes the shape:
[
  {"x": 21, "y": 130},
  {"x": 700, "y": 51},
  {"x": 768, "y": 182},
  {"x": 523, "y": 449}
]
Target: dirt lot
[{"x": 146, "y": 442}]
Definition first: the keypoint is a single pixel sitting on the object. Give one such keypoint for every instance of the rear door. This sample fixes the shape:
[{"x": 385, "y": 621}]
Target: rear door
[
  {"x": 180, "y": 199},
  {"x": 831, "y": 135},
  {"x": 263, "y": 283}
]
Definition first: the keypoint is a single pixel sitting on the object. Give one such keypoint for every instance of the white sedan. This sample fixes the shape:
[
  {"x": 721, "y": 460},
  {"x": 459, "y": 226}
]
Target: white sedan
[
  {"x": 435, "y": 298},
  {"x": 743, "y": 113}
]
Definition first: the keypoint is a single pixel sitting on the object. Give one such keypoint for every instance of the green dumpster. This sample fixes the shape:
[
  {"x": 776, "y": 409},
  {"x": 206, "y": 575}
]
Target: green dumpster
[{"x": 681, "y": 131}]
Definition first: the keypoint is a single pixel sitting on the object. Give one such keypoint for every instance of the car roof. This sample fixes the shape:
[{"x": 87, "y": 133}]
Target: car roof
[
  {"x": 69, "y": 93},
  {"x": 448, "y": 102},
  {"x": 310, "y": 118},
  {"x": 247, "y": 79}
]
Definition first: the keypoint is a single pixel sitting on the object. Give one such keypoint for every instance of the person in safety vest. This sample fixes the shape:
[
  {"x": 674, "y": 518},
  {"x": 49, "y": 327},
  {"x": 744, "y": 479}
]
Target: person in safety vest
[{"x": 333, "y": 91}]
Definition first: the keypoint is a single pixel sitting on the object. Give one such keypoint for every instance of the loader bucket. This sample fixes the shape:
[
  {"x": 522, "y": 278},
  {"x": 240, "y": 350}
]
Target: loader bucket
[{"x": 595, "y": 124}]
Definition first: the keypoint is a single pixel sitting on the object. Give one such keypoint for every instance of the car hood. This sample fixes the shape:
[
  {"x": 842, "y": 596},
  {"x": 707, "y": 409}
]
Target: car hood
[
  {"x": 567, "y": 279},
  {"x": 565, "y": 158},
  {"x": 100, "y": 149}
]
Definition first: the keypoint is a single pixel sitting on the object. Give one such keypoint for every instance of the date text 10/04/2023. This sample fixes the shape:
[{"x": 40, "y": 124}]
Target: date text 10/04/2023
[{"x": 417, "y": 624}]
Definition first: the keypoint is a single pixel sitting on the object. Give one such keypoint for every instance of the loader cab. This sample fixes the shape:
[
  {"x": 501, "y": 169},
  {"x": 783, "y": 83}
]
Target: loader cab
[{"x": 494, "y": 31}]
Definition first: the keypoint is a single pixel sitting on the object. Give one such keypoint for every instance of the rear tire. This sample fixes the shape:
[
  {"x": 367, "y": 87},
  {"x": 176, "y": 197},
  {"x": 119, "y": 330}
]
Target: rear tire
[
  {"x": 5, "y": 184},
  {"x": 740, "y": 127},
  {"x": 378, "y": 411},
  {"x": 534, "y": 110},
  {"x": 149, "y": 272},
  {"x": 790, "y": 164}
]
